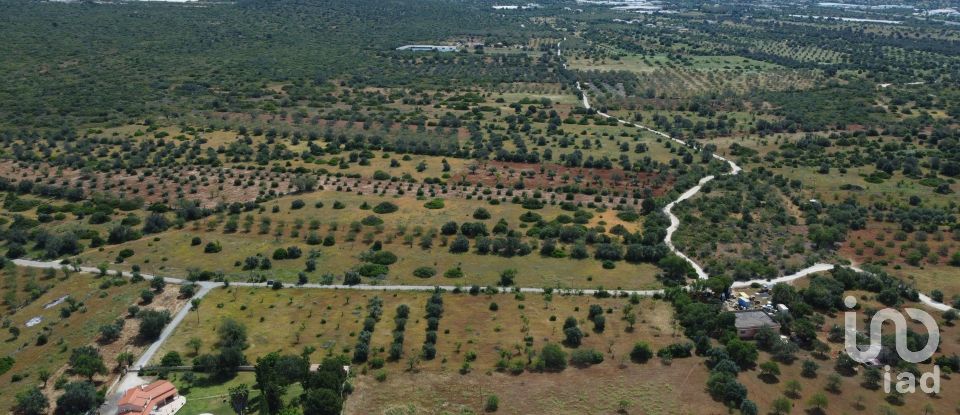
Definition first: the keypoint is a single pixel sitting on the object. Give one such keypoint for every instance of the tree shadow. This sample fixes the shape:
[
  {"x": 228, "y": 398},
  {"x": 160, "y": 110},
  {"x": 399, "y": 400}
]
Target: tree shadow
[{"x": 768, "y": 379}]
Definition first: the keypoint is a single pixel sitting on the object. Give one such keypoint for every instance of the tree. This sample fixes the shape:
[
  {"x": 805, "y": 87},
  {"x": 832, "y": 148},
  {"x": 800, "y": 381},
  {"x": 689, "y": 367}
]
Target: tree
[
  {"x": 239, "y": 396},
  {"x": 724, "y": 387},
  {"x": 950, "y": 316},
  {"x": 554, "y": 358},
  {"x": 781, "y": 405},
  {"x": 31, "y": 402},
  {"x": 809, "y": 369},
  {"x": 195, "y": 306},
  {"x": 748, "y": 408},
  {"x": 171, "y": 359},
  {"x": 872, "y": 377},
  {"x": 44, "y": 376},
  {"x": 152, "y": 323},
  {"x": 641, "y": 352},
  {"x": 793, "y": 388},
  {"x": 232, "y": 334},
  {"x": 818, "y": 402},
  {"x": 743, "y": 353},
  {"x": 572, "y": 336},
  {"x": 321, "y": 402},
  {"x": 158, "y": 283},
  {"x": 125, "y": 359},
  {"x": 195, "y": 344},
  {"x": 274, "y": 372},
  {"x": 845, "y": 365},
  {"x": 631, "y": 321},
  {"x": 833, "y": 383},
  {"x": 86, "y": 361},
  {"x": 675, "y": 268},
  {"x": 493, "y": 403},
  {"x": 304, "y": 183},
  {"x": 77, "y": 398},
  {"x": 109, "y": 333},
  {"x": 460, "y": 244},
  {"x": 508, "y": 277},
  {"x": 769, "y": 369}
]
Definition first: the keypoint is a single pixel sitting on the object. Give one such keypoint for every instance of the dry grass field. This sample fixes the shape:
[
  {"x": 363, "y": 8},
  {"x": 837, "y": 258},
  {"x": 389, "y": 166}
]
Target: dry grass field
[
  {"x": 171, "y": 253},
  {"x": 289, "y": 319},
  {"x": 96, "y": 306}
]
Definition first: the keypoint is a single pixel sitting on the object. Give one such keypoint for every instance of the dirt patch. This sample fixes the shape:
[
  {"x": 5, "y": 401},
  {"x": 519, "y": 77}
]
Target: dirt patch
[
  {"x": 533, "y": 175},
  {"x": 165, "y": 185},
  {"x": 651, "y": 388}
]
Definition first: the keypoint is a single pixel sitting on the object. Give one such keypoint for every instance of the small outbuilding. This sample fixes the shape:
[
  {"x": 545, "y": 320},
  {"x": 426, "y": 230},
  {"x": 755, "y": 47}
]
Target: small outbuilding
[{"x": 749, "y": 322}]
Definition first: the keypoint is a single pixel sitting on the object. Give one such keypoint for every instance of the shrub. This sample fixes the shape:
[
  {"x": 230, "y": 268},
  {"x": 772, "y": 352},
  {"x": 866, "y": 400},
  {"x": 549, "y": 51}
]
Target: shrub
[
  {"x": 385, "y": 207},
  {"x": 152, "y": 323},
  {"x": 424, "y": 272},
  {"x": 481, "y": 214},
  {"x": 351, "y": 278},
  {"x": 382, "y": 258},
  {"x": 371, "y": 270},
  {"x": 297, "y": 204},
  {"x": 453, "y": 273},
  {"x": 554, "y": 358},
  {"x": 641, "y": 352},
  {"x": 585, "y": 357},
  {"x": 493, "y": 403},
  {"x": 434, "y": 204},
  {"x": 212, "y": 248},
  {"x": 146, "y": 296},
  {"x": 371, "y": 221}
]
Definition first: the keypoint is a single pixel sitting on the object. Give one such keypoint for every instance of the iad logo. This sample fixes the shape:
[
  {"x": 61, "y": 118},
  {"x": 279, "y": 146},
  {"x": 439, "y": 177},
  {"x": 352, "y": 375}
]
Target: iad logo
[{"x": 906, "y": 381}]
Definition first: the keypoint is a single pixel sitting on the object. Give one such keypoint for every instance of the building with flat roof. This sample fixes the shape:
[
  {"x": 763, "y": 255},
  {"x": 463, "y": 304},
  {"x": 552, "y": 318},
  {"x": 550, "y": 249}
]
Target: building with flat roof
[
  {"x": 428, "y": 48},
  {"x": 157, "y": 398},
  {"x": 749, "y": 322}
]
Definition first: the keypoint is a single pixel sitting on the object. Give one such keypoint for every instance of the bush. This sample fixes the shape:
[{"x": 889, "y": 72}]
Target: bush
[
  {"x": 372, "y": 270},
  {"x": 434, "y": 204},
  {"x": 554, "y": 358},
  {"x": 371, "y": 221},
  {"x": 152, "y": 323},
  {"x": 424, "y": 272},
  {"x": 493, "y": 403},
  {"x": 351, "y": 278},
  {"x": 453, "y": 273},
  {"x": 147, "y": 296},
  {"x": 585, "y": 357},
  {"x": 382, "y": 258},
  {"x": 481, "y": 214},
  {"x": 171, "y": 359},
  {"x": 212, "y": 248},
  {"x": 297, "y": 204},
  {"x": 641, "y": 352},
  {"x": 385, "y": 207}
]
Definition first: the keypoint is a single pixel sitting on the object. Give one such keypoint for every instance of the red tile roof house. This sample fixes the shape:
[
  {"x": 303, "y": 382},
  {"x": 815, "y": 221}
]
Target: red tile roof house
[{"x": 157, "y": 398}]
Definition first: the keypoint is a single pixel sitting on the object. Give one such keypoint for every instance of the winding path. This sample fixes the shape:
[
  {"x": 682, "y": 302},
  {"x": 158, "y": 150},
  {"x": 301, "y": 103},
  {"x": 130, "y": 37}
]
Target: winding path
[{"x": 734, "y": 170}]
